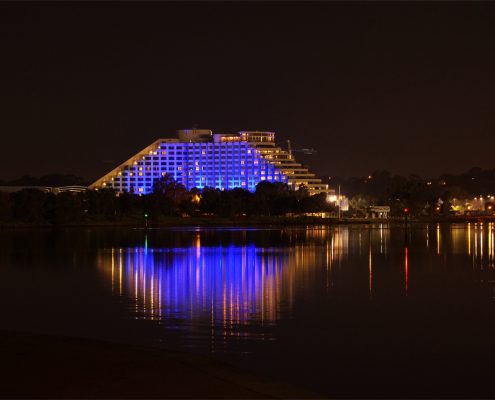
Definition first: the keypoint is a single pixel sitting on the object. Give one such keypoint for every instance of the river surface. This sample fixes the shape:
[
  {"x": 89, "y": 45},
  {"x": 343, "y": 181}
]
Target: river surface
[{"x": 345, "y": 311}]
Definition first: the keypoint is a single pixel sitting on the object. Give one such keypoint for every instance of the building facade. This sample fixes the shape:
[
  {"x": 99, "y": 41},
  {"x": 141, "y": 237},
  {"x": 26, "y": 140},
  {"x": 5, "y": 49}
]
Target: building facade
[{"x": 198, "y": 158}]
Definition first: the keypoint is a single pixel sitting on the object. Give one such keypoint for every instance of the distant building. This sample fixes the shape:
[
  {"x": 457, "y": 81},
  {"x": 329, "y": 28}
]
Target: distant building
[
  {"x": 381, "y": 212},
  {"x": 198, "y": 158},
  {"x": 48, "y": 189}
]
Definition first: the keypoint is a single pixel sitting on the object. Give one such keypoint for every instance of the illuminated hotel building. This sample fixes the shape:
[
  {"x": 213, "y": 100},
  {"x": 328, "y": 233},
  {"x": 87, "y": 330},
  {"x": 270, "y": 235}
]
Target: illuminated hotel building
[{"x": 199, "y": 158}]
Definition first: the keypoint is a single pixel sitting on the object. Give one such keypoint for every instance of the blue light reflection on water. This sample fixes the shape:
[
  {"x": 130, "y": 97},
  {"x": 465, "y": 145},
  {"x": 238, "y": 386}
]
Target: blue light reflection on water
[
  {"x": 242, "y": 289},
  {"x": 229, "y": 286}
]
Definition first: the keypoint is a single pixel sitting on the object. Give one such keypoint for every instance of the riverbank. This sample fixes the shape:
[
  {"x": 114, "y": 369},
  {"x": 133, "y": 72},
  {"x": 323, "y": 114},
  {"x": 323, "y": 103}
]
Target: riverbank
[
  {"x": 206, "y": 221},
  {"x": 45, "y": 366}
]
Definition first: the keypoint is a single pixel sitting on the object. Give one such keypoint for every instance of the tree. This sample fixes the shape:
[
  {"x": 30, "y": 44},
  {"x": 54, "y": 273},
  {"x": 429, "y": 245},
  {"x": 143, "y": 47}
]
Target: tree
[
  {"x": 28, "y": 205},
  {"x": 64, "y": 208},
  {"x": 210, "y": 200},
  {"x": 101, "y": 202},
  {"x": 273, "y": 198},
  {"x": 168, "y": 187}
]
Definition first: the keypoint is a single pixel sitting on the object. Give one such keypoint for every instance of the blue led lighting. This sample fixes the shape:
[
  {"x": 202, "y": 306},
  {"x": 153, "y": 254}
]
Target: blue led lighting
[{"x": 198, "y": 165}]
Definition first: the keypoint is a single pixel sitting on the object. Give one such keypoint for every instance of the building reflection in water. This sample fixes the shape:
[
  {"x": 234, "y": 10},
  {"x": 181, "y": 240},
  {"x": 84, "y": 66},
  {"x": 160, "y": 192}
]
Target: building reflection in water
[
  {"x": 228, "y": 285},
  {"x": 232, "y": 284}
]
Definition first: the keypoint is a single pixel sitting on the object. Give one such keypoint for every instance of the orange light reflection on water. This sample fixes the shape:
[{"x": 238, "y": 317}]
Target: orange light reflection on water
[{"x": 406, "y": 269}]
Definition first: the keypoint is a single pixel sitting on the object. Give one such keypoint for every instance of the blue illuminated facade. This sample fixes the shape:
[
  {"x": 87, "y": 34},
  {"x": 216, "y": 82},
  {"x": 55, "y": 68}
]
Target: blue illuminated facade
[
  {"x": 199, "y": 159},
  {"x": 219, "y": 165}
]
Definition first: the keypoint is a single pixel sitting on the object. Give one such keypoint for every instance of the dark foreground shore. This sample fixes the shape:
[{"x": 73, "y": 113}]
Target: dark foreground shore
[{"x": 42, "y": 366}]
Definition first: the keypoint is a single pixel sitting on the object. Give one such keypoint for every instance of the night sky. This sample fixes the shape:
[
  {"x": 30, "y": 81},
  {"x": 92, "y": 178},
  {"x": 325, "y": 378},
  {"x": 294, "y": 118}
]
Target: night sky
[{"x": 408, "y": 87}]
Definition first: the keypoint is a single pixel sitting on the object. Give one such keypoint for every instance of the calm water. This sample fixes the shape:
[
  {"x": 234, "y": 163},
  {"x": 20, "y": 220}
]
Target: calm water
[{"x": 345, "y": 311}]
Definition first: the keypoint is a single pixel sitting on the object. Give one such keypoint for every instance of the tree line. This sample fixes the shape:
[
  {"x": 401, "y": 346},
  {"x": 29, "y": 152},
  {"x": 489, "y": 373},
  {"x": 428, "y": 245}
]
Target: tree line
[
  {"x": 421, "y": 196},
  {"x": 168, "y": 198}
]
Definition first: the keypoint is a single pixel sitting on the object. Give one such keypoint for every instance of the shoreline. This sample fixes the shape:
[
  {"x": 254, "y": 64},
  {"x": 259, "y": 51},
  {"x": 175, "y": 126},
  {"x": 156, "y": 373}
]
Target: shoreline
[
  {"x": 173, "y": 222},
  {"x": 50, "y": 366}
]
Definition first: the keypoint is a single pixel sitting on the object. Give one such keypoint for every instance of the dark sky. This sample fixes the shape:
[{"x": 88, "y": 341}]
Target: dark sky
[{"x": 408, "y": 87}]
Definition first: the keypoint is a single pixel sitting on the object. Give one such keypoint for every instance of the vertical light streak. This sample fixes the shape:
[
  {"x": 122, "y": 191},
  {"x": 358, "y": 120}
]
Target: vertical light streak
[
  {"x": 262, "y": 291},
  {"x": 136, "y": 281},
  {"x": 360, "y": 244},
  {"x": 142, "y": 269},
  {"x": 370, "y": 271},
  {"x": 438, "y": 239},
  {"x": 427, "y": 236},
  {"x": 493, "y": 242},
  {"x": 327, "y": 261},
  {"x": 120, "y": 272},
  {"x": 406, "y": 269},
  {"x": 469, "y": 238},
  {"x": 490, "y": 244},
  {"x": 198, "y": 245},
  {"x": 160, "y": 280},
  {"x": 381, "y": 238},
  {"x": 152, "y": 293},
  {"x": 475, "y": 255},
  {"x": 113, "y": 268},
  {"x": 481, "y": 244}
]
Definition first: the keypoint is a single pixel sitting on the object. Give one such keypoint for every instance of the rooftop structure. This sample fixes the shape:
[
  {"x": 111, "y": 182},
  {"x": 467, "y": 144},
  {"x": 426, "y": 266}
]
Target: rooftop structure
[{"x": 200, "y": 158}]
